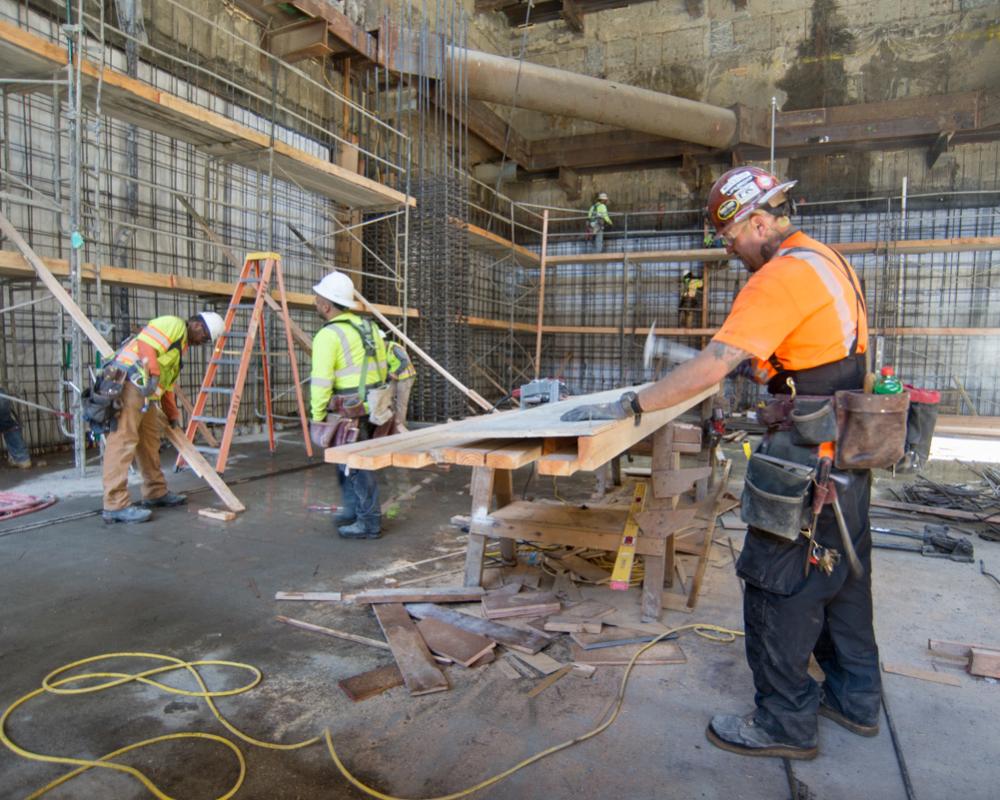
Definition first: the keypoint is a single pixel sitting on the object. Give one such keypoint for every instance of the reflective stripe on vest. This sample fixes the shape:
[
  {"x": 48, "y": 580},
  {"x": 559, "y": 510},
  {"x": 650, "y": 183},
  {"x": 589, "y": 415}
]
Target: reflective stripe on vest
[
  {"x": 850, "y": 328},
  {"x": 351, "y": 368}
]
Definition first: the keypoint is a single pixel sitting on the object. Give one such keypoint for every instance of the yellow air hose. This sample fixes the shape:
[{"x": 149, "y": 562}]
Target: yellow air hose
[{"x": 57, "y": 685}]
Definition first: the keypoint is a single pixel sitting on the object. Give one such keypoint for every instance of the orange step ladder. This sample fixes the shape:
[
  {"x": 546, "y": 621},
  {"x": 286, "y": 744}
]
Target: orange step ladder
[{"x": 259, "y": 269}]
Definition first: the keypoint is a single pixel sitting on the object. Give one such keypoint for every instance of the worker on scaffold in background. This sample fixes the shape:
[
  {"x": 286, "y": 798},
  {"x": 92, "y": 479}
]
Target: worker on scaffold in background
[{"x": 597, "y": 219}]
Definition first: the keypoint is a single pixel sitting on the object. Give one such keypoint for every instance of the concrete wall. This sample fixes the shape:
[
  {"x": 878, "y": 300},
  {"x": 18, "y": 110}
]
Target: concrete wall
[{"x": 807, "y": 53}]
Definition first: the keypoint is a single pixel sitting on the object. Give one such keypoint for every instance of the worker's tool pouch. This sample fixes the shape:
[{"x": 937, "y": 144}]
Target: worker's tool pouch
[
  {"x": 813, "y": 420},
  {"x": 871, "y": 429},
  {"x": 103, "y": 402},
  {"x": 380, "y": 408},
  {"x": 776, "y": 495}
]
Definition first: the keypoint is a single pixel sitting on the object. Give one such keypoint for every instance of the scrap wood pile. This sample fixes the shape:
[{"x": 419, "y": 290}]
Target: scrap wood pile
[{"x": 429, "y": 629}]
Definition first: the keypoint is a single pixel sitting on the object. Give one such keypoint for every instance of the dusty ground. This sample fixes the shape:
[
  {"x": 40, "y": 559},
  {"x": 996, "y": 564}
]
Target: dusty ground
[{"x": 197, "y": 589}]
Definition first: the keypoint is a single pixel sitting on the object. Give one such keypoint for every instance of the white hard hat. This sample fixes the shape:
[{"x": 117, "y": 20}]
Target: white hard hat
[
  {"x": 602, "y": 196},
  {"x": 213, "y": 322},
  {"x": 337, "y": 288}
]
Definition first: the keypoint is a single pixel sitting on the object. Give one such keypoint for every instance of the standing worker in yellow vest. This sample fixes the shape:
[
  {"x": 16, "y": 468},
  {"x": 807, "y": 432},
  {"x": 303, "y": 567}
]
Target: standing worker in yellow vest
[
  {"x": 148, "y": 365},
  {"x": 351, "y": 399}
]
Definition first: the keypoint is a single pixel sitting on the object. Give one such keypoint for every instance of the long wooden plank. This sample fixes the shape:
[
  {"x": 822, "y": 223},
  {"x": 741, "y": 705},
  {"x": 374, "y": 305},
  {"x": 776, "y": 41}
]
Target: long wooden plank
[
  {"x": 499, "y": 605},
  {"x": 461, "y": 646},
  {"x": 920, "y": 674},
  {"x": 514, "y": 454},
  {"x": 349, "y": 637},
  {"x": 371, "y": 683},
  {"x": 310, "y": 597},
  {"x": 12, "y": 265},
  {"x": 193, "y": 457},
  {"x": 420, "y": 674},
  {"x": 548, "y": 533},
  {"x": 446, "y": 594},
  {"x": 659, "y": 653},
  {"x": 513, "y": 638},
  {"x": 956, "y": 649},
  {"x": 946, "y": 513}
]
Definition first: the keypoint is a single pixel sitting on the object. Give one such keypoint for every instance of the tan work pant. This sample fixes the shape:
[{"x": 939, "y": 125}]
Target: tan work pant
[{"x": 136, "y": 438}]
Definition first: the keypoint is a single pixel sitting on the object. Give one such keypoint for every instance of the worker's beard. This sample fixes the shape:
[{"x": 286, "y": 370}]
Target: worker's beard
[{"x": 770, "y": 246}]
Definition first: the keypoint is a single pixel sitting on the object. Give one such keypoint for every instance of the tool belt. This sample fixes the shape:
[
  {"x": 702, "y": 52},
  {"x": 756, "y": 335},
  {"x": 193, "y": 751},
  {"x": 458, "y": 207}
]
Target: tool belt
[
  {"x": 869, "y": 429},
  {"x": 352, "y": 423},
  {"x": 102, "y": 403}
]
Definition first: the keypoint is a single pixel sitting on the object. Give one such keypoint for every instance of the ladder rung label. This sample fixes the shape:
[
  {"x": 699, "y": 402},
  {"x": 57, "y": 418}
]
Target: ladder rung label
[
  {"x": 217, "y": 390},
  {"x": 225, "y": 361},
  {"x": 212, "y": 420}
]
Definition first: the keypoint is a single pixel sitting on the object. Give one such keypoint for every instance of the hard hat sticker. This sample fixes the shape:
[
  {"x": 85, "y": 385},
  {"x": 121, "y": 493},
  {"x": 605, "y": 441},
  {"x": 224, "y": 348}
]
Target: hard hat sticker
[
  {"x": 736, "y": 181},
  {"x": 748, "y": 192},
  {"x": 727, "y": 209}
]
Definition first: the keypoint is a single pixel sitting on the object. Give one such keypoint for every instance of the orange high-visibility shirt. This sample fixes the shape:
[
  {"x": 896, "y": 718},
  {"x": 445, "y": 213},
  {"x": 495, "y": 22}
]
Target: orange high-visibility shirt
[{"x": 803, "y": 307}]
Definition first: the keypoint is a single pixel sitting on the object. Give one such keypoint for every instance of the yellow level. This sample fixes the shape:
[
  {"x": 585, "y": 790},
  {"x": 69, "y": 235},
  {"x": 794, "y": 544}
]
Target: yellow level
[{"x": 621, "y": 575}]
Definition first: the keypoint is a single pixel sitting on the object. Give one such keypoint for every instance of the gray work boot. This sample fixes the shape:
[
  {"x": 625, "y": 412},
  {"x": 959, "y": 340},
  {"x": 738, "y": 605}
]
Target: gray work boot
[
  {"x": 132, "y": 514},
  {"x": 344, "y": 517},
  {"x": 168, "y": 500},
  {"x": 358, "y": 530},
  {"x": 744, "y": 736}
]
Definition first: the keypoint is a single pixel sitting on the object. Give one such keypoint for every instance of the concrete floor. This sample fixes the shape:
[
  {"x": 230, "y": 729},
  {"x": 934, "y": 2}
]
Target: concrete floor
[{"x": 198, "y": 589}]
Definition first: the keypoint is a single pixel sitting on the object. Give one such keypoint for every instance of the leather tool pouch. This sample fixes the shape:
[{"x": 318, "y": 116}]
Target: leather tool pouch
[
  {"x": 776, "y": 495},
  {"x": 871, "y": 429},
  {"x": 814, "y": 421}
]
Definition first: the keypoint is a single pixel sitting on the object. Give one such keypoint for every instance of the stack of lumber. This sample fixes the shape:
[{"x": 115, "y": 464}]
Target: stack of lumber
[{"x": 512, "y": 439}]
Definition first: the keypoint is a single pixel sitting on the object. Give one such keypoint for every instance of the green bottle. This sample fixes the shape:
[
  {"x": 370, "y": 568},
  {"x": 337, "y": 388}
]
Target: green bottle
[{"x": 888, "y": 383}]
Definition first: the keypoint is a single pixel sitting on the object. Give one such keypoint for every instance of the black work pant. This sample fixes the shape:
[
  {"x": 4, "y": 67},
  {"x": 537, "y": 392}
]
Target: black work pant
[{"x": 787, "y": 616}]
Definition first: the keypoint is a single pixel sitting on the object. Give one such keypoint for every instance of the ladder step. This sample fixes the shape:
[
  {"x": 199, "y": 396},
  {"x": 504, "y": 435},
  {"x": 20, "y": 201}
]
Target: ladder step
[
  {"x": 225, "y": 361},
  {"x": 201, "y": 448},
  {"x": 249, "y": 280},
  {"x": 211, "y": 420},
  {"x": 236, "y": 334},
  {"x": 242, "y": 306},
  {"x": 217, "y": 390}
]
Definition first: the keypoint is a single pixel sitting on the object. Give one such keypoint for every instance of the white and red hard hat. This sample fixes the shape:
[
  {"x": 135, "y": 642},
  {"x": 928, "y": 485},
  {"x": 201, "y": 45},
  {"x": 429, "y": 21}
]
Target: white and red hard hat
[{"x": 742, "y": 190}]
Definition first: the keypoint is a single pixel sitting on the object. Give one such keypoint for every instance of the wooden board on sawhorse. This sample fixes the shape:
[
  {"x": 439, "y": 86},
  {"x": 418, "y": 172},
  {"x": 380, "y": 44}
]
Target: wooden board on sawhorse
[{"x": 259, "y": 269}]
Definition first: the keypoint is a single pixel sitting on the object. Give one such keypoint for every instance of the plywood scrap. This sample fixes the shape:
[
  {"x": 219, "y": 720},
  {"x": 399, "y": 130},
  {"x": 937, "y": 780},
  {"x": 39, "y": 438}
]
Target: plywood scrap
[
  {"x": 546, "y": 665},
  {"x": 920, "y": 674},
  {"x": 459, "y": 645},
  {"x": 546, "y": 682},
  {"x": 659, "y": 653},
  {"x": 420, "y": 674},
  {"x": 522, "y": 641},
  {"x": 371, "y": 683},
  {"x": 589, "y": 609},
  {"x": 217, "y": 513},
  {"x": 985, "y": 663},
  {"x": 507, "y": 669},
  {"x": 350, "y": 637},
  {"x": 498, "y": 605},
  {"x": 612, "y": 637},
  {"x": 446, "y": 594},
  {"x": 566, "y": 624}
]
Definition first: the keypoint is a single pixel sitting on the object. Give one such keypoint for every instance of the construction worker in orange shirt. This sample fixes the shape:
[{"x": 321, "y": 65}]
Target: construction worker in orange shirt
[
  {"x": 141, "y": 377},
  {"x": 799, "y": 321}
]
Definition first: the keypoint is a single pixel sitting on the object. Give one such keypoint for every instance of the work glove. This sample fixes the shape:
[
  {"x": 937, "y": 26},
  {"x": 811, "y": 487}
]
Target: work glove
[
  {"x": 149, "y": 387},
  {"x": 622, "y": 408},
  {"x": 321, "y": 433},
  {"x": 176, "y": 423}
]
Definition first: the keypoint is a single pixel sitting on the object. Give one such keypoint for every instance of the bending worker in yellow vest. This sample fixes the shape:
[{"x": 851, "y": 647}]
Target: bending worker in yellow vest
[
  {"x": 351, "y": 397},
  {"x": 149, "y": 363}
]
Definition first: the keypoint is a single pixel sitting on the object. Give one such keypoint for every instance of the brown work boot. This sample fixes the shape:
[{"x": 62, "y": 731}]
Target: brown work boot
[
  {"x": 744, "y": 736},
  {"x": 831, "y": 713}
]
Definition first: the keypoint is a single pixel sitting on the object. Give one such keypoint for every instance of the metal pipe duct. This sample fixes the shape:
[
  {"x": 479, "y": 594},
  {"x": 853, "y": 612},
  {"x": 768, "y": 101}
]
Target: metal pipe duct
[{"x": 556, "y": 91}]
